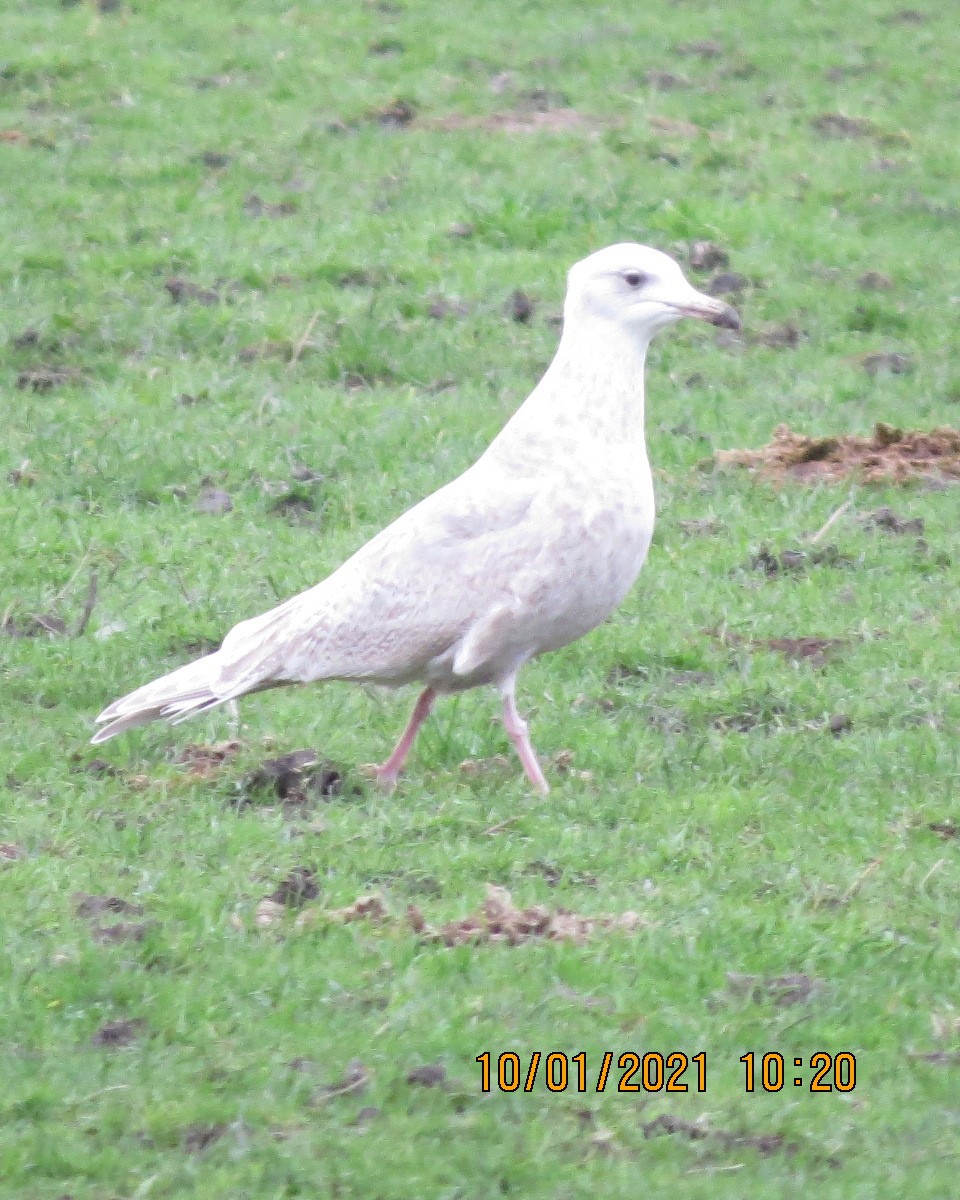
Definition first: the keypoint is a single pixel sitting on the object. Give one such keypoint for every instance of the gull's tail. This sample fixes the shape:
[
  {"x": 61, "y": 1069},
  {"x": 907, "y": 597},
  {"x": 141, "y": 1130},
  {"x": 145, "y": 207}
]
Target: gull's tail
[{"x": 181, "y": 694}]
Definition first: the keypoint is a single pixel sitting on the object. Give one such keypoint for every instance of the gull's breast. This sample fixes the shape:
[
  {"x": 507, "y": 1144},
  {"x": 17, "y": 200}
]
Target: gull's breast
[{"x": 590, "y": 559}]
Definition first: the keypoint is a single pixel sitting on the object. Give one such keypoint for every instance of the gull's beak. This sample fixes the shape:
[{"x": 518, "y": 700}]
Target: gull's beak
[{"x": 708, "y": 308}]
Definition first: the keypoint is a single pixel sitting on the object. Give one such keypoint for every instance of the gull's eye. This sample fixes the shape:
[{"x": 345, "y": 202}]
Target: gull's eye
[{"x": 634, "y": 278}]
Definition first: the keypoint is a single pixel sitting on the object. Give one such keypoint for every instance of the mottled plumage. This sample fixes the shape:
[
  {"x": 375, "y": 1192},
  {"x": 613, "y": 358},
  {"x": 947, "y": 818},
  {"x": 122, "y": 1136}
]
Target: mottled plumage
[{"x": 530, "y": 548}]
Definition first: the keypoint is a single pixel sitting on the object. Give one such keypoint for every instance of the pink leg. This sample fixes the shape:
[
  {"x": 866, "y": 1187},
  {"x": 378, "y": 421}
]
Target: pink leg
[
  {"x": 388, "y": 772},
  {"x": 516, "y": 728}
]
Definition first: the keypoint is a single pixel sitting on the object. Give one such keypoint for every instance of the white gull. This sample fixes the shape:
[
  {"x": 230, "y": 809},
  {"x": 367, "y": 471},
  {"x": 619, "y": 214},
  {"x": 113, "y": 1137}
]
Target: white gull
[{"x": 529, "y": 549}]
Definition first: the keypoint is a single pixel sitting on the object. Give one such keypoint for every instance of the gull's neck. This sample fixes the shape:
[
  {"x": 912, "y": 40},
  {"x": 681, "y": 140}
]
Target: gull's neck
[{"x": 592, "y": 392}]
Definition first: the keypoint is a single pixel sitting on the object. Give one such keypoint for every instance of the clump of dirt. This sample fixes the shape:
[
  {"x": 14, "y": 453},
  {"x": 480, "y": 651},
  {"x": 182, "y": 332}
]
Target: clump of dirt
[
  {"x": 215, "y": 160},
  {"x": 214, "y": 502},
  {"x": 665, "y": 81},
  {"x": 701, "y": 526},
  {"x": 783, "y": 990},
  {"x": 295, "y": 778},
  {"x": 395, "y": 115},
  {"x": 838, "y": 125},
  {"x": 119, "y": 1033},
  {"x": 764, "y": 1143},
  {"x": 88, "y": 906},
  {"x": 786, "y": 336},
  {"x": 269, "y": 348},
  {"x": 206, "y": 83},
  {"x": 204, "y": 761},
  {"x": 33, "y": 625},
  {"x": 91, "y": 907},
  {"x": 360, "y": 277},
  {"x": 550, "y": 873},
  {"x": 886, "y": 360},
  {"x": 553, "y": 120},
  {"x": 890, "y": 522},
  {"x": 906, "y": 16},
  {"x": 194, "y": 646},
  {"x": 429, "y": 1075},
  {"x": 22, "y": 476},
  {"x": 301, "y": 887},
  {"x": 386, "y": 46},
  {"x": 707, "y": 256},
  {"x": 814, "y": 650},
  {"x": 182, "y": 291},
  {"x": 297, "y": 888},
  {"x": 499, "y": 920},
  {"x": 944, "y": 1058},
  {"x": 255, "y": 206},
  {"x": 196, "y": 1138},
  {"x": 46, "y": 378},
  {"x": 297, "y": 506},
  {"x": 496, "y": 764},
  {"x": 888, "y": 455},
  {"x": 442, "y": 307},
  {"x": 875, "y": 281},
  {"x": 707, "y": 48},
  {"x": 121, "y": 931},
  {"x": 626, "y": 674},
  {"x": 727, "y": 283},
  {"x": 749, "y": 718},
  {"x": 797, "y": 561},
  {"x": 520, "y": 307},
  {"x": 671, "y": 127},
  {"x": 365, "y": 1117}
]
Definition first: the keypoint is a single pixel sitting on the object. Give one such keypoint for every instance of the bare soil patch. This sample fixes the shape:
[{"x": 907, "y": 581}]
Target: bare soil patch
[
  {"x": 498, "y": 920},
  {"x": 888, "y": 455}
]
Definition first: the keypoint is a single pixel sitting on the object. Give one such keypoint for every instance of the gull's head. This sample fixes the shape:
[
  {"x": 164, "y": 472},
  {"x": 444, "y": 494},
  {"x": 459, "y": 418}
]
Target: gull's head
[{"x": 639, "y": 288}]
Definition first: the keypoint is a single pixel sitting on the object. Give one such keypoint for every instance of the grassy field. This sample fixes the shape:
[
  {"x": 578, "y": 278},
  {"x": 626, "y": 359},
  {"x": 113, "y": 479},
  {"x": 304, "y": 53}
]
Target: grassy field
[{"x": 257, "y": 267}]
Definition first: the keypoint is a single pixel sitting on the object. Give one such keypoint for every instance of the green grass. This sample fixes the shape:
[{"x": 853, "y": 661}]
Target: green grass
[{"x": 750, "y": 838}]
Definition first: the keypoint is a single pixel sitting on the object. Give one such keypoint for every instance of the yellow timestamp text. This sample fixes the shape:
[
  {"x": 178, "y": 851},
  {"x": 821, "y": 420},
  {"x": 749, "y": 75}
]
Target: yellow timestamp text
[
  {"x": 630, "y": 1071},
  {"x": 656, "y": 1071}
]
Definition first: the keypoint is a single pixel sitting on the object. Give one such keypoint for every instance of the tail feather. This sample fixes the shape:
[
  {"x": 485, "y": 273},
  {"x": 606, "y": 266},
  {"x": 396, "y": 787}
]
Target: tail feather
[
  {"x": 122, "y": 724},
  {"x": 193, "y": 708},
  {"x": 181, "y": 694}
]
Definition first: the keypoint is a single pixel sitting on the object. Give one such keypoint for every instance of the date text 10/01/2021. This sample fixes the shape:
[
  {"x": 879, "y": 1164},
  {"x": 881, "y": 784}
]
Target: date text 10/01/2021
[{"x": 656, "y": 1072}]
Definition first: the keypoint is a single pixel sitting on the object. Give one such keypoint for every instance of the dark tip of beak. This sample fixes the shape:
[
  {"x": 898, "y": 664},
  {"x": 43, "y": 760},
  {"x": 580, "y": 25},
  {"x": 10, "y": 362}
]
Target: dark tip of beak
[{"x": 727, "y": 318}]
